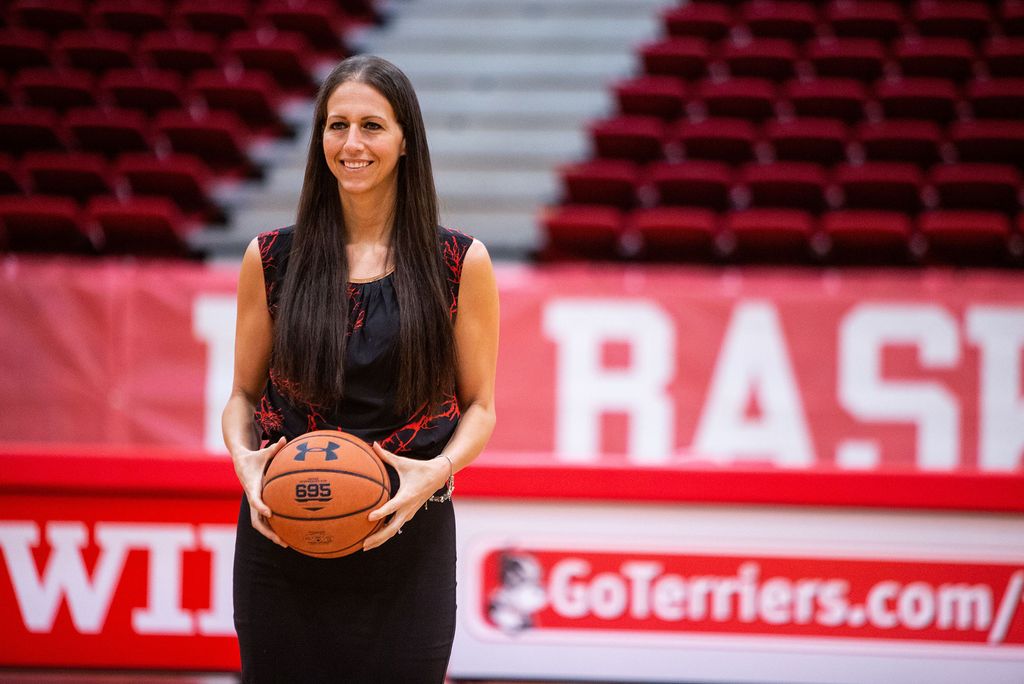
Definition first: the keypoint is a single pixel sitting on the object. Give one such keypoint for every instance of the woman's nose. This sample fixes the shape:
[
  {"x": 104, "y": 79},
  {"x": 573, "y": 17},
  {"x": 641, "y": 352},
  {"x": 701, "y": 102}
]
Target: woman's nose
[{"x": 353, "y": 141}]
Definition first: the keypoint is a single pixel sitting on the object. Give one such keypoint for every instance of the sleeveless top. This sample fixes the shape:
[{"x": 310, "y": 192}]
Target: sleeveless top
[{"x": 367, "y": 409}]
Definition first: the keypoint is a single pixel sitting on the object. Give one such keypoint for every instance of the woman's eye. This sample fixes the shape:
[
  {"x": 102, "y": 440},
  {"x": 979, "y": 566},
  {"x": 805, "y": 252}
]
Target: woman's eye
[
  {"x": 372, "y": 125},
  {"x": 337, "y": 125}
]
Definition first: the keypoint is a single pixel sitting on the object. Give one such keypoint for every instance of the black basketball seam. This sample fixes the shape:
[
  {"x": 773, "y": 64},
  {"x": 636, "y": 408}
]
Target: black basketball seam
[
  {"x": 323, "y": 470},
  {"x": 329, "y": 517},
  {"x": 344, "y": 436},
  {"x": 325, "y": 553}
]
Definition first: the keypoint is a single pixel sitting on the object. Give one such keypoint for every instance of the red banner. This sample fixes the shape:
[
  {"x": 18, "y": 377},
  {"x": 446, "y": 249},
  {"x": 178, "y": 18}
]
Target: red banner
[{"x": 858, "y": 370}]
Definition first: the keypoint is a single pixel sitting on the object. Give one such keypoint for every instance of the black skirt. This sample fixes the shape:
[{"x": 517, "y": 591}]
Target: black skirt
[{"x": 380, "y": 616}]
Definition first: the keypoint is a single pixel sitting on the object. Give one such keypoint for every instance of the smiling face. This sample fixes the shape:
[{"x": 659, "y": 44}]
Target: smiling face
[{"x": 362, "y": 140}]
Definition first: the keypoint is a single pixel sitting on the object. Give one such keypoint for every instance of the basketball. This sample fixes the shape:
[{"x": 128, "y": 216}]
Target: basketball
[{"x": 321, "y": 486}]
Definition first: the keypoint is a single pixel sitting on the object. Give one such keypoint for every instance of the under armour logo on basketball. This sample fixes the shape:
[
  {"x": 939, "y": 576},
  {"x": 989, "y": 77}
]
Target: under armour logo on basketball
[{"x": 304, "y": 449}]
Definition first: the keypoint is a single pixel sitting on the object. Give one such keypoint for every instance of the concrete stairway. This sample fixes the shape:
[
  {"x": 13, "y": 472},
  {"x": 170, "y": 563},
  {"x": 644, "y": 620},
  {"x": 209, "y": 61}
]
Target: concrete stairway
[{"x": 506, "y": 88}]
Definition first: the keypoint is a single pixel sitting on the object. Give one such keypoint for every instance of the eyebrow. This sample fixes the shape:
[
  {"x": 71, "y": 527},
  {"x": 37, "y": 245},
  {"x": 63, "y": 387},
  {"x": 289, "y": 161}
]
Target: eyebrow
[{"x": 368, "y": 116}]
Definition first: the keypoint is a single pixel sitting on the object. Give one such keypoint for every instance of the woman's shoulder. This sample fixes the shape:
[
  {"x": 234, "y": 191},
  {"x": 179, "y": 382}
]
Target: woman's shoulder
[
  {"x": 454, "y": 245},
  {"x": 275, "y": 238}
]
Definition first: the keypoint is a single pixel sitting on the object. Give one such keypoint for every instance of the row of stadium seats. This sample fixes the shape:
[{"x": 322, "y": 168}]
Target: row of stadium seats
[
  {"x": 219, "y": 138},
  {"x": 863, "y": 59},
  {"x": 791, "y": 236},
  {"x": 252, "y": 95},
  {"x": 183, "y": 179},
  {"x": 732, "y": 139},
  {"x": 932, "y": 99},
  {"x": 798, "y": 185},
  {"x": 881, "y": 20},
  {"x": 284, "y": 55},
  {"x": 321, "y": 21},
  {"x": 142, "y": 226}
]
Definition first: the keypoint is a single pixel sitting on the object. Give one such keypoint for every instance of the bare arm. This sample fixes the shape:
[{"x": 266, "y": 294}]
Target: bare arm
[
  {"x": 253, "y": 341},
  {"x": 476, "y": 342}
]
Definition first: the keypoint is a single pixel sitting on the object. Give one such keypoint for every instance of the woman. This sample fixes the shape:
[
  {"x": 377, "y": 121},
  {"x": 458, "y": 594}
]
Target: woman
[{"x": 367, "y": 317}]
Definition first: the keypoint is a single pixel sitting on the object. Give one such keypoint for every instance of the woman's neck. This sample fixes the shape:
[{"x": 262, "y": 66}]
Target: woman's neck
[{"x": 368, "y": 218}]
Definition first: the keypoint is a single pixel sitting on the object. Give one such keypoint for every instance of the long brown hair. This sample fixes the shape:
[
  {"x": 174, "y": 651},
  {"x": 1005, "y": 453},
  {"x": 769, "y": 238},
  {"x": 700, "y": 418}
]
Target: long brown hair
[{"x": 310, "y": 326}]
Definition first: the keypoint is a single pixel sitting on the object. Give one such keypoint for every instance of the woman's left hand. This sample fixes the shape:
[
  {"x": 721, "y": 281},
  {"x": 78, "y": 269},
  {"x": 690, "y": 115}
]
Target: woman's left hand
[{"x": 417, "y": 481}]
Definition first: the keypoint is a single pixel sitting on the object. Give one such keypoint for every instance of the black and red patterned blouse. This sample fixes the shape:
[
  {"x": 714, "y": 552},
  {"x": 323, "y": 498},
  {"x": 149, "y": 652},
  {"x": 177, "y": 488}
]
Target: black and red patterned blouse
[{"x": 371, "y": 371}]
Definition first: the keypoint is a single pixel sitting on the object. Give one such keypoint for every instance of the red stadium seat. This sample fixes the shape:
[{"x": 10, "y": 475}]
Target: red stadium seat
[
  {"x": 108, "y": 131},
  {"x": 867, "y": 237},
  {"x": 43, "y": 224},
  {"x": 1004, "y": 56},
  {"x": 692, "y": 183},
  {"x": 319, "y": 21},
  {"x": 745, "y": 98},
  {"x": 12, "y": 181},
  {"x": 786, "y": 184},
  {"x": 21, "y": 48},
  {"x": 148, "y": 90},
  {"x": 935, "y": 57},
  {"x": 582, "y": 231},
  {"x": 997, "y": 98},
  {"x": 770, "y": 235},
  {"x": 865, "y": 19},
  {"x": 952, "y": 18},
  {"x": 906, "y": 141},
  {"x": 218, "y": 138},
  {"x": 180, "y": 50},
  {"x": 859, "y": 58},
  {"x": 661, "y": 96},
  {"x": 880, "y": 185},
  {"x": 250, "y": 95},
  {"x": 285, "y": 56},
  {"x": 55, "y": 89},
  {"x": 639, "y": 138},
  {"x": 966, "y": 237},
  {"x": 181, "y": 178},
  {"x": 804, "y": 139},
  {"x": 602, "y": 181},
  {"x": 135, "y": 17},
  {"x": 997, "y": 141},
  {"x": 79, "y": 175},
  {"x": 977, "y": 186},
  {"x": 674, "y": 233},
  {"x": 698, "y": 20},
  {"x": 728, "y": 140},
  {"x": 684, "y": 58},
  {"x": 1012, "y": 22},
  {"x": 144, "y": 226},
  {"x": 49, "y": 16},
  {"x": 771, "y": 58},
  {"x": 219, "y": 17},
  {"x": 831, "y": 98},
  {"x": 95, "y": 50},
  {"x": 917, "y": 98},
  {"x": 28, "y": 128},
  {"x": 786, "y": 19}
]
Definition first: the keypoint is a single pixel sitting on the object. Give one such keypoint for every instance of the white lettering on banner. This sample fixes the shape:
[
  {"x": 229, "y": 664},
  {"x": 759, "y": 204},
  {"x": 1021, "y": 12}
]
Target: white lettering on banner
[
  {"x": 219, "y": 540},
  {"x": 754, "y": 361},
  {"x": 39, "y": 594},
  {"x": 643, "y": 589},
  {"x": 65, "y": 576},
  {"x": 586, "y": 389},
  {"x": 863, "y": 391},
  {"x": 213, "y": 322},
  {"x": 999, "y": 334},
  {"x": 165, "y": 543}
]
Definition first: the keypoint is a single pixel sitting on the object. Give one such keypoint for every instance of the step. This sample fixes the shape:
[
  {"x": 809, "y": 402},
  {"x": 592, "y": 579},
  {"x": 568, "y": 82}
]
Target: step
[{"x": 503, "y": 9}]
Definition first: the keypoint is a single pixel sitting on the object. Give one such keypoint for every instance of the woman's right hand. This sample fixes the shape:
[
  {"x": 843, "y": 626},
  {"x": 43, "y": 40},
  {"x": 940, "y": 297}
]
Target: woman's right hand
[{"x": 249, "y": 467}]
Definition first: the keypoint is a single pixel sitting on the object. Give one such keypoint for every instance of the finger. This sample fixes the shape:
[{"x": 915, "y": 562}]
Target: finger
[
  {"x": 384, "y": 454},
  {"x": 385, "y": 510},
  {"x": 257, "y": 505},
  {"x": 384, "y": 534},
  {"x": 275, "y": 447},
  {"x": 263, "y": 528}
]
